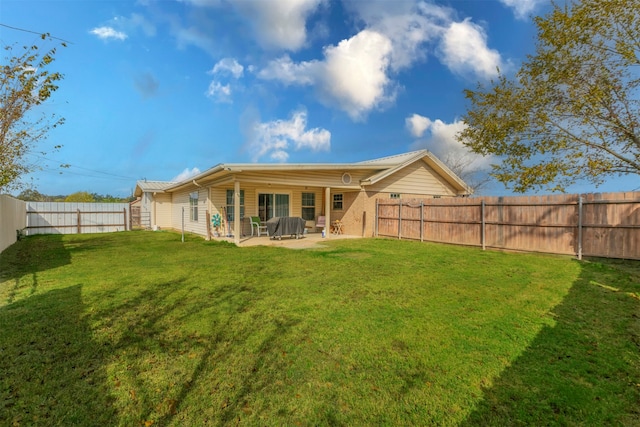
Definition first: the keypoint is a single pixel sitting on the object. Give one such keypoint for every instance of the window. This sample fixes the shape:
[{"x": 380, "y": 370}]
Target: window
[
  {"x": 193, "y": 206},
  {"x": 394, "y": 195},
  {"x": 337, "y": 202},
  {"x": 231, "y": 205},
  {"x": 272, "y": 205},
  {"x": 308, "y": 206}
]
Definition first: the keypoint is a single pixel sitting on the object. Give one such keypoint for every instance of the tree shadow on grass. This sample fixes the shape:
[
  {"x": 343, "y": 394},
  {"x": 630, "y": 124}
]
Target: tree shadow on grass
[
  {"x": 51, "y": 371},
  {"x": 171, "y": 339},
  {"x": 585, "y": 370},
  {"x": 21, "y": 262}
]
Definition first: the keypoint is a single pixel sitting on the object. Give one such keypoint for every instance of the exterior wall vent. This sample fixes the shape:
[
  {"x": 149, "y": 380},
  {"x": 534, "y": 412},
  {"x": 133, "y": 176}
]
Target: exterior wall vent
[{"x": 346, "y": 178}]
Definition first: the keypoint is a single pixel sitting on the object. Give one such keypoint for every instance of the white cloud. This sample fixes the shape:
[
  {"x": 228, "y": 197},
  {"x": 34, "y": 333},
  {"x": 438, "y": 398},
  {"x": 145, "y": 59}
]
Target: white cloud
[
  {"x": 522, "y": 8},
  {"x": 408, "y": 25},
  {"x": 228, "y": 66},
  {"x": 357, "y": 74},
  {"x": 106, "y": 33},
  {"x": 352, "y": 76},
  {"x": 417, "y": 125},
  {"x": 278, "y": 24},
  {"x": 275, "y": 139},
  {"x": 219, "y": 92},
  {"x": 440, "y": 138},
  {"x": 464, "y": 50},
  {"x": 288, "y": 72},
  {"x": 186, "y": 174}
]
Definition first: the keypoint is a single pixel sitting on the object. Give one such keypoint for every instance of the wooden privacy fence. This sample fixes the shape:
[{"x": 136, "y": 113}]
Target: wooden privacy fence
[
  {"x": 600, "y": 225},
  {"x": 76, "y": 218}
]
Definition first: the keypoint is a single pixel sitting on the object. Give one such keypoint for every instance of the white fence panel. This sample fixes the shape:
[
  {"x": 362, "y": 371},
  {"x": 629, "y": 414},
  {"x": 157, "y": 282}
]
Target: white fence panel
[
  {"x": 12, "y": 218},
  {"x": 73, "y": 218}
]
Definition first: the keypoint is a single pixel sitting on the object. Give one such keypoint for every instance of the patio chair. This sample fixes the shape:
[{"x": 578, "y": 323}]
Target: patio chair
[
  {"x": 255, "y": 222},
  {"x": 321, "y": 222}
]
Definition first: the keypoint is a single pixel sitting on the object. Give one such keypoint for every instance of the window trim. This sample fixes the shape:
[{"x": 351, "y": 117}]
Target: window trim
[
  {"x": 311, "y": 206},
  {"x": 273, "y": 192},
  {"x": 232, "y": 205},
  {"x": 194, "y": 196},
  {"x": 334, "y": 202}
]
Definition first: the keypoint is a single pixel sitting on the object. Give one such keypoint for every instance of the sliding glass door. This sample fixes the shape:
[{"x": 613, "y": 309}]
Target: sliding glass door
[{"x": 270, "y": 205}]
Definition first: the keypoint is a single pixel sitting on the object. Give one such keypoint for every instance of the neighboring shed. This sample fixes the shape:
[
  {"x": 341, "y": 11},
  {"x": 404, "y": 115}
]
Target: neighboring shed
[{"x": 337, "y": 191}]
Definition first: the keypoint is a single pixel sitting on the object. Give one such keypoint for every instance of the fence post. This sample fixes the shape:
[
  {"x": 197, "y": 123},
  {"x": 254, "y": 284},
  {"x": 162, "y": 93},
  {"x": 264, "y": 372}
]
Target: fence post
[
  {"x": 79, "y": 232},
  {"x": 483, "y": 237},
  {"x": 400, "y": 219},
  {"x": 376, "y": 219},
  {"x": 421, "y": 220},
  {"x": 124, "y": 213},
  {"x": 580, "y": 227}
]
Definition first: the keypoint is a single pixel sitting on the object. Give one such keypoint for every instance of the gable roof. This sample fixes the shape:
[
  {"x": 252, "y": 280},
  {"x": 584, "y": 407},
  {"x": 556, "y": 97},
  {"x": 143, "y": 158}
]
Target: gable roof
[
  {"x": 145, "y": 186},
  {"x": 404, "y": 160},
  {"x": 380, "y": 168}
]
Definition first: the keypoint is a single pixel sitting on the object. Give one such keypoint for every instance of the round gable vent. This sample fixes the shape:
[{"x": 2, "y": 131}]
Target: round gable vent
[{"x": 346, "y": 178}]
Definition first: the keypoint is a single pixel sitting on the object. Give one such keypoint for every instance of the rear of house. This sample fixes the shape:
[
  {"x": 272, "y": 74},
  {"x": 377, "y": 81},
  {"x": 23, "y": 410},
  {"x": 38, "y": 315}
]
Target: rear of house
[{"x": 336, "y": 191}]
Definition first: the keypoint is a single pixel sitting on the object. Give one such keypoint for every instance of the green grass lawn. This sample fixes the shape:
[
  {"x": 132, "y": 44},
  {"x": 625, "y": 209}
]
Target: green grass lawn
[{"x": 139, "y": 329}]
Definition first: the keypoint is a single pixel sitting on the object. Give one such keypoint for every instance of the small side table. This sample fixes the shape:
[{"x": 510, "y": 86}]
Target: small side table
[{"x": 336, "y": 227}]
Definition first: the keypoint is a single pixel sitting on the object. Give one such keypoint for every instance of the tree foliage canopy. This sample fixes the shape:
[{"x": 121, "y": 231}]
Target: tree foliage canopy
[
  {"x": 25, "y": 83},
  {"x": 80, "y": 196},
  {"x": 572, "y": 111}
]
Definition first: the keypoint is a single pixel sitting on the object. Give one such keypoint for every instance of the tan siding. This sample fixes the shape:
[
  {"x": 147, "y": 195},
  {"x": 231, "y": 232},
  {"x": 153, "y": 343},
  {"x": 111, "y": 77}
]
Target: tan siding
[
  {"x": 180, "y": 200},
  {"x": 418, "y": 178},
  {"x": 163, "y": 210}
]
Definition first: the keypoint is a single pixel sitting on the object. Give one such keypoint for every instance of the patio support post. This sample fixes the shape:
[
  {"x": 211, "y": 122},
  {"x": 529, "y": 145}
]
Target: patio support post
[
  {"x": 327, "y": 211},
  {"x": 236, "y": 212}
]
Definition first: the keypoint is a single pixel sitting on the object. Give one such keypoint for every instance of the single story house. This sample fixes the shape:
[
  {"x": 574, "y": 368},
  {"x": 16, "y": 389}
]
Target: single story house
[{"x": 335, "y": 191}]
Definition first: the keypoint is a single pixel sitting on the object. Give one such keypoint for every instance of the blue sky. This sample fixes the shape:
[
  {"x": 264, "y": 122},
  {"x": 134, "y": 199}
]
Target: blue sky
[{"x": 161, "y": 89}]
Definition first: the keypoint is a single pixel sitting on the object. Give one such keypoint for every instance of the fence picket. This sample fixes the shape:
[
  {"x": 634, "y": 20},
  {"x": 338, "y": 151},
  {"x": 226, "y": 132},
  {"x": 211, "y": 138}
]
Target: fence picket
[
  {"x": 605, "y": 225},
  {"x": 69, "y": 218}
]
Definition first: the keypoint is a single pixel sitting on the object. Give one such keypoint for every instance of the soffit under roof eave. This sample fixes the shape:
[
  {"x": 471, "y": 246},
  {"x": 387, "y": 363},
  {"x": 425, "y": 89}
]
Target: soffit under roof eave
[
  {"x": 139, "y": 191},
  {"x": 199, "y": 180}
]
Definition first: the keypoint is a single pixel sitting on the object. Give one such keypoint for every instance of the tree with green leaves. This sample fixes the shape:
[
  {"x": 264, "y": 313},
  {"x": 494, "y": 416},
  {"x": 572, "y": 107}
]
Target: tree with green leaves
[
  {"x": 25, "y": 84},
  {"x": 32, "y": 195},
  {"x": 572, "y": 111},
  {"x": 81, "y": 197}
]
